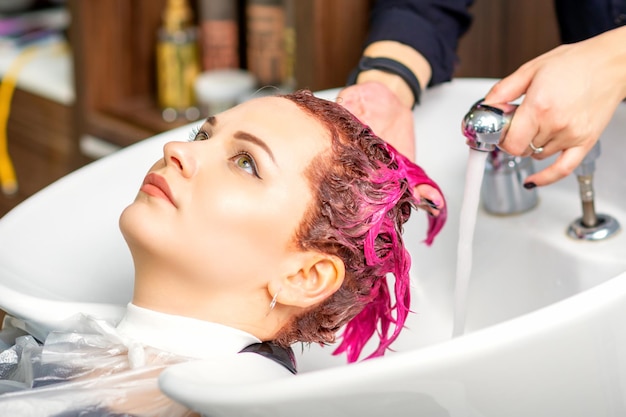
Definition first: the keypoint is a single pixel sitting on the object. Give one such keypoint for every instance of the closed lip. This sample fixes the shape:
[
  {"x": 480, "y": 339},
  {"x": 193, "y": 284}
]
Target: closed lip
[{"x": 157, "y": 186}]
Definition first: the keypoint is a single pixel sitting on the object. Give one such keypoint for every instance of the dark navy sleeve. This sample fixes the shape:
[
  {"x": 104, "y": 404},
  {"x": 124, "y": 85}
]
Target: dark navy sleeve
[
  {"x": 583, "y": 19},
  {"x": 432, "y": 27}
]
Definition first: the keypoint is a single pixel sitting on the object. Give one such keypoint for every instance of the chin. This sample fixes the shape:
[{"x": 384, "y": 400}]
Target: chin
[
  {"x": 147, "y": 231},
  {"x": 137, "y": 226},
  {"x": 127, "y": 224}
]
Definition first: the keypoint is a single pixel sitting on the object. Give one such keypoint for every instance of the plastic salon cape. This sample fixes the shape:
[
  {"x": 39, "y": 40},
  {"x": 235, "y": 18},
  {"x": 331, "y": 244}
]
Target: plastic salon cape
[{"x": 94, "y": 368}]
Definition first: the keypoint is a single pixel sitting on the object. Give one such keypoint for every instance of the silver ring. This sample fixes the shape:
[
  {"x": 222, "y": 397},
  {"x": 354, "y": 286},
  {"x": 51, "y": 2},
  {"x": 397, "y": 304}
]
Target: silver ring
[{"x": 535, "y": 149}]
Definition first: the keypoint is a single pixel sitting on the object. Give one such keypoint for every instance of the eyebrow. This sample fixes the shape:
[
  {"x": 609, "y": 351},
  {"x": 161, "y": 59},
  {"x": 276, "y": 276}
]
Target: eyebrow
[
  {"x": 249, "y": 137},
  {"x": 245, "y": 136}
]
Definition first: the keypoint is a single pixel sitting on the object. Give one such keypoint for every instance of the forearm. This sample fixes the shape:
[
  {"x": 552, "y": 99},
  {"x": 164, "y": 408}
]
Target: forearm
[
  {"x": 616, "y": 41},
  {"x": 430, "y": 28}
]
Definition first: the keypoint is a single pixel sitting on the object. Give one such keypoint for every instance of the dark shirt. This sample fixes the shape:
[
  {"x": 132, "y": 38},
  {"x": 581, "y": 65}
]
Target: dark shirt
[
  {"x": 583, "y": 19},
  {"x": 433, "y": 27}
]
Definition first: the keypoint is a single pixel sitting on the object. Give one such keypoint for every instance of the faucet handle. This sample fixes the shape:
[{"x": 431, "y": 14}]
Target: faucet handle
[{"x": 485, "y": 125}]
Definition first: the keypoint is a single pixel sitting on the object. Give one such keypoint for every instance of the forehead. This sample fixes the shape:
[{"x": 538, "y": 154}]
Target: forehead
[{"x": 282, "y": 124}]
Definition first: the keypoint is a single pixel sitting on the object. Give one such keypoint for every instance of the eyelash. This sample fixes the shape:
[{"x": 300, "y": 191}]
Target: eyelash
[
  {"x": 194, "y": 136},
  {"x": 195, "y": 132}
]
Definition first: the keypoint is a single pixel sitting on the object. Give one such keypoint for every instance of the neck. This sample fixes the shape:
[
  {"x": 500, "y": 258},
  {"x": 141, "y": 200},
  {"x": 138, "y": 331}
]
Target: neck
[
  {"x": 167, "y": 292},
  {"x": 182, "y": 335}
]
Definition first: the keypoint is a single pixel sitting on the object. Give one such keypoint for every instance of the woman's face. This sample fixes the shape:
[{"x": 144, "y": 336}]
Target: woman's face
[{"x": 220, "y": 212}]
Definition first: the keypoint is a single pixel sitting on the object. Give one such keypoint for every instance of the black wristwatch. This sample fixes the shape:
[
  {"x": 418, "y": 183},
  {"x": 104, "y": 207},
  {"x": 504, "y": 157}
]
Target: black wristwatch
[{"x": 391, "y": 66}]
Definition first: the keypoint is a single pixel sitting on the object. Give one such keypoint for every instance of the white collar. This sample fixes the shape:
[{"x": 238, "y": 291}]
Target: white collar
[{"x": 184, "y": 336}]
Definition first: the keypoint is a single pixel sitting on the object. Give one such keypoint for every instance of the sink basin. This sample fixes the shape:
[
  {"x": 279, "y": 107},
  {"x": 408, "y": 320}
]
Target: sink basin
[{"x": 544, "y": 333}]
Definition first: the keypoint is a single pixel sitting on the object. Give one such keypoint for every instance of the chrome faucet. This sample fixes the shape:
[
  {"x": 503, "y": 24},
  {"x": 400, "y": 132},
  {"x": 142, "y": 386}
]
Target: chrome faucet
[
  {"x": 591, "y": 225},
  {"x": 502, "y": 192}
]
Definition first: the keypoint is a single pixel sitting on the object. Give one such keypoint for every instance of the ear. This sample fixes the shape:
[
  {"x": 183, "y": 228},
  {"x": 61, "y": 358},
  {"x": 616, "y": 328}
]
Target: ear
[{"x": 319, "y": 276}]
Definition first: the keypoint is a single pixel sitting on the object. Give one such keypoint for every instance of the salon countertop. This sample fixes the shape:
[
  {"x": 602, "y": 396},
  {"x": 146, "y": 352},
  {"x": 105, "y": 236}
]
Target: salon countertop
[{"x": 48, "y": 74}]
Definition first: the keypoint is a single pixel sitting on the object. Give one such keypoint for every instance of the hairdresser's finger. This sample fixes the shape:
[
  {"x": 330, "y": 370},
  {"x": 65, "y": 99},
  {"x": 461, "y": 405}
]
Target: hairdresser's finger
[
  {"x": 524, "y": 128},
  {"x": 431, "y": 193},
  {"x": 349, "y": 99},
  {"x": 511, "y": 87},
  {"x": 429, "y": 199},
  {"x": 564, "y": 165}
]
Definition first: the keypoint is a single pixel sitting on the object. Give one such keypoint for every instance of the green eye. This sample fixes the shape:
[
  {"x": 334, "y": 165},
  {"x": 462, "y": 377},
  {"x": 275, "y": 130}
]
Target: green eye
[{"x": 246, "y": 162}]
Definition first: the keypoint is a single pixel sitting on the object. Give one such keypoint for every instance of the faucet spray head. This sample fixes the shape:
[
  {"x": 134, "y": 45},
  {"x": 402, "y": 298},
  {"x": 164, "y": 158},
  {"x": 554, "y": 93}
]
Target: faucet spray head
[{"x": 485, "y": 125}]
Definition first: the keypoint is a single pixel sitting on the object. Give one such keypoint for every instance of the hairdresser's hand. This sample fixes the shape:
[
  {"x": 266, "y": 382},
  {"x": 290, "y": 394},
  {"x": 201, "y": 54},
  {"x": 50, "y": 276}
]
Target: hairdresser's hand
[
  {"x": 379, "y": 108},
  {"x": 571, "y": 94}
]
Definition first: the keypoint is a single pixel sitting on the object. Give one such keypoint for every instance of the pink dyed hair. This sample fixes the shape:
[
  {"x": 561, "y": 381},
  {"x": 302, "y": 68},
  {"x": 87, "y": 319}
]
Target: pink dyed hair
[{"x": 363, "y": 193}]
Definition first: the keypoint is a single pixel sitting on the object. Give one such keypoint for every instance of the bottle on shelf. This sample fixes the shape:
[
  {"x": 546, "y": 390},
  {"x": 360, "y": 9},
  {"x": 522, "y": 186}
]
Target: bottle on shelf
[
  {"x": 290, "y": 43},
  {"x": 177, "y": 62},
  {"x": 266, "y": 21},
  {"x": 219, "y": 34}
]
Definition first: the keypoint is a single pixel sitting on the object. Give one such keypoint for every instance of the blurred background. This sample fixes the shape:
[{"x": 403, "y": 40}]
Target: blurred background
[{"x": 83, "y": 78}]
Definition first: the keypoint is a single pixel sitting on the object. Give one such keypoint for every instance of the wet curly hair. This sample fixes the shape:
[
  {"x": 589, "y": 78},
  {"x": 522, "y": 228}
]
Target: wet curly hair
[{"x": 362, "y": 196}]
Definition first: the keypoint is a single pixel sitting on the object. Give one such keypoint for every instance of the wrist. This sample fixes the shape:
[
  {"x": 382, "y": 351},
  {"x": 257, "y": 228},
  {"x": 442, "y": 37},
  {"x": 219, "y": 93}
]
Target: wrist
[
  {"x": 414, "y": 66},
  {"x": 610, "y": 44},
  {"x": 620, "y": 34},
  {"x": 392, "y": 73},
  {"x": 392, "y": 82}
]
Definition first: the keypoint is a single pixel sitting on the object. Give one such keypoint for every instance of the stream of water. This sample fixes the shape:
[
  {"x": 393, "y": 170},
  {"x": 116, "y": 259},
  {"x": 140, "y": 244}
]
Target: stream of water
[{"x": 469, "y": 210}]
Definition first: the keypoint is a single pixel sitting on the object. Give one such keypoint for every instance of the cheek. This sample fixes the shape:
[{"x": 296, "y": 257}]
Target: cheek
[{"x": 257, "y": 227}]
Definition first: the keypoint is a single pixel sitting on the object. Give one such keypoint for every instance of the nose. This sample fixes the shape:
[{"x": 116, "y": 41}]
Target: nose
[{"x": 180, "y": 156}]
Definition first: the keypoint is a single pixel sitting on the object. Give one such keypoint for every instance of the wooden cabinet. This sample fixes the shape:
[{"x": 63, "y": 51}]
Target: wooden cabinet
[
  {"x": 114, "y": 42},
  {"x": 41, "y": 144}
]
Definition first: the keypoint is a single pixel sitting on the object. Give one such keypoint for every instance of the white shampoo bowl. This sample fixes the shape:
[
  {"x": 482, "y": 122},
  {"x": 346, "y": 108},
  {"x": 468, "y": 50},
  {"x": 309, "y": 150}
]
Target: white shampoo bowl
[{"x": 545, "y": 333}]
